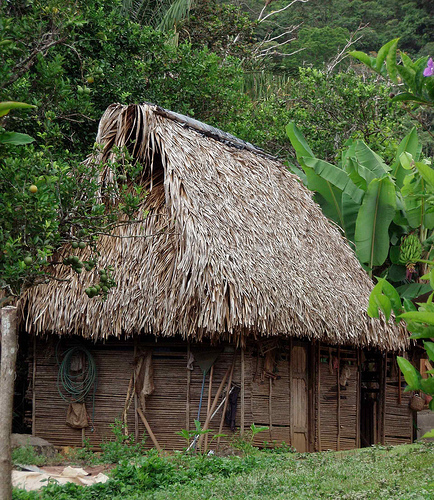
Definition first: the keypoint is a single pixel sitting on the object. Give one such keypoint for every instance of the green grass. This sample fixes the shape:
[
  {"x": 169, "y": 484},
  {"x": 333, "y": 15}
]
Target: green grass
[{"x": 376, "y": 473}]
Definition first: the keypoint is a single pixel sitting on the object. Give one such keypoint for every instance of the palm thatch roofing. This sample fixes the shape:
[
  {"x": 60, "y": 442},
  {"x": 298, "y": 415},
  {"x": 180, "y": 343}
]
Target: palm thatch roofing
[{"x": 232, "y": 246}]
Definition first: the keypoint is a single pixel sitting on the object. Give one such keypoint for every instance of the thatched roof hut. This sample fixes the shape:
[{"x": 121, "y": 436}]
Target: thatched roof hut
[{"x": 232, "y": 246}]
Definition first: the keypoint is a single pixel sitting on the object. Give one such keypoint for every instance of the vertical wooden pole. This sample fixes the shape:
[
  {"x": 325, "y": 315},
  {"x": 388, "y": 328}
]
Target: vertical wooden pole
[
  {"x": 270, "y": 407},
  {"x": 339, "y": 399},
  {"x": 9, "y": 347},
  {"x": 228, "y": 390},
  {"x": 208, "y": 408},
  {"x": 291, "y": 412},
  {"x": 383, "y": 408},
  {"x": 242, "y": 392},
  {"x": 34, "y": 388},
  {"x": 187, "y": 405},
  {"x": 136, "y": 403},
  {"x": 399, "y": 386},
  {"x": 358, "y": 395},
  {"x": 318, "y": 390}
]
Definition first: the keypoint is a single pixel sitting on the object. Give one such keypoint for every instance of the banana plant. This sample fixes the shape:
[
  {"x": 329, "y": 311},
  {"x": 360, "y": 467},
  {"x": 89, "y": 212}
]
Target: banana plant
[{"x": 374, "y": 203}]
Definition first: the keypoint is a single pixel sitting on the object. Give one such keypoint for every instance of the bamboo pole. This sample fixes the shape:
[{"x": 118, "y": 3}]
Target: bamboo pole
[
  {"x": 399, "y": 387},
  {"x": 208, "y": 406},
  {"x": 319, "y": 396},
  {"x": 383, "y": 406},
  {"x": 358, "y": 396},
  {"x": 291, "y": 413},
  {"x": 34, "y": 388},
  {"x": 213, "y": 406},
  {"x": 227, "y": 399},
  {"x": 187, "y": 405},
  {"x": 270, "y": 407},
  {"x": 339, "y": 399},
  {"x": 136, "y": 403},
  {"x": 242, "y": 419},
  {"x": 149, "y": 430}
]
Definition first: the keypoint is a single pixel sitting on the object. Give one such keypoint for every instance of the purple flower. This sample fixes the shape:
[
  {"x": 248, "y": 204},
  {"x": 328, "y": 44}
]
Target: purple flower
[{"x": 429, "y": 70}]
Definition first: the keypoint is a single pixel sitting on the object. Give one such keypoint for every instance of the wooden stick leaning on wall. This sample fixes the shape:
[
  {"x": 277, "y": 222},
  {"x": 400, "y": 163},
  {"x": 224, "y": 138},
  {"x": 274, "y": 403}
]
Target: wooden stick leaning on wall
[
  {"x": 242, "y": 420},
  {"x": 34, "y": 388},
  {"x": 226, "y": 400},
  {"x": 136, "y": 403},
  {"x": 318, "y": 390},
  {"x": 338, "y": 374},
  {"x": 187, "y": 405},
  {"x": 213, "y": 406},
  {"x": 148, "y": 429},
  {"x": 208, "y": 407}
]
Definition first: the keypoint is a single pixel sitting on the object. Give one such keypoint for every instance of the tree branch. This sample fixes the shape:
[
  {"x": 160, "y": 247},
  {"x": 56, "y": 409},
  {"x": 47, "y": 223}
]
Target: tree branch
[{"x": 262, "y": 19}]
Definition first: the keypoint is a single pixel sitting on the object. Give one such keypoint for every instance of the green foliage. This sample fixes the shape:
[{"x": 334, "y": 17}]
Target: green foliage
[
  {"x": 96, "y": 57},
  {"x": 418, "y": 89},
  {"x": 223, "y": 28},
  {"x": 26, "y": 455},
  {"x": 373, "y": 203},
  {"x": 378, "y": 472},
  {"x": 329, "y": 110},
  {"x": 413, "y": 20},
  {"x": 47, "y": 203}
]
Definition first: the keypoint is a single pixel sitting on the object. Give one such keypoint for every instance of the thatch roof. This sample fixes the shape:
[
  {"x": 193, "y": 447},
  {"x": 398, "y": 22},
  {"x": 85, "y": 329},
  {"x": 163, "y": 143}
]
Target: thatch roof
[{"x": 233, "y": 245}]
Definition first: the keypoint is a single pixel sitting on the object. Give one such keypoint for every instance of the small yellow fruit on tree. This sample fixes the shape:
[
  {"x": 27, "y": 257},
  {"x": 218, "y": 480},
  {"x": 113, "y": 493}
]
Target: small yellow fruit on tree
[{"x": 33, "y": 189}]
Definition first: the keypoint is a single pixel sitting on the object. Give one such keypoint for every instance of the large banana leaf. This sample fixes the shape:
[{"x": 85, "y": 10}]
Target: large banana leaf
[
  {"x": 350, "y": 210},
  {"x": 336, "y": 176},
  {"x": 417, "y": 210},
  {"x": 298, "y": 142},
  {"x": 426, "y": 172},
  {"x": 410, "y": 144},
  {"x": 372, "y": 225},
  {"x": 360, "y": 175},
  {"x": 328, "y": 196},
  {"x": 367, "y": 158}
]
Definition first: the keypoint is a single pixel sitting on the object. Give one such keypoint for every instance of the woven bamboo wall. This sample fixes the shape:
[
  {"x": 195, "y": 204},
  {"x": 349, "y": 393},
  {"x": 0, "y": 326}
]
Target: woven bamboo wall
[
  {"x": 277, "y": 402},
  {"x": 338, "y": 405},
  {"x": 398, "y": 415},
  {"x": 165, "y": 408}
]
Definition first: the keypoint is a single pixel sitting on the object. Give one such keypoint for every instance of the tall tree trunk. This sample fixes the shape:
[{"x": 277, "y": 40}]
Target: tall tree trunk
[{"x": 9, "y": 347}]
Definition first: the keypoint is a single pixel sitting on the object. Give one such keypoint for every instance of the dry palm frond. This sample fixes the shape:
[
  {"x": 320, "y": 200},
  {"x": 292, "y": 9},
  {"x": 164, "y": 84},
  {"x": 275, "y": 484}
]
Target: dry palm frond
[{"x": 238, "y": 248}]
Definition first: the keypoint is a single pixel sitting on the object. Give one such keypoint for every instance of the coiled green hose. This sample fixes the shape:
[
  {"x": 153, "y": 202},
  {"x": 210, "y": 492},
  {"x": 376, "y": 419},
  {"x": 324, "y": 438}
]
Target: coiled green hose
[{"x": 74, "y": 387}]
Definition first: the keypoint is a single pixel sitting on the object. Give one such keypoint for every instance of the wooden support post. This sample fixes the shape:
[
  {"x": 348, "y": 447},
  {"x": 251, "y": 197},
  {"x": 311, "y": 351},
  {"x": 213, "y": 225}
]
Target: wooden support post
[
  {"x": 383, "y": 406},
  {"x": 34, "y": 387},
  {"x": 242, "y": 419},
  {"x": 358, "y": 395},
  {"x": 270, "y": 407},
  {"x": 148, "y": 429},
  {"x": 9, "y": 347},
  {"x": 136, "y": 403},
  {"x": 338, "y": 374},
  {"x": 318, "y": 390},
  {"x": 208, "y": 407},
  {"x": 399, "y": 386},
  {"x": 187, "y": 405},
  {"x": 291, "y": 413}
]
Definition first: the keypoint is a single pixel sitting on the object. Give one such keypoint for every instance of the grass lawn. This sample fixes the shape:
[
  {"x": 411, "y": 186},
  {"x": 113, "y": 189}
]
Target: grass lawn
[{"x": 402, "y": 472}]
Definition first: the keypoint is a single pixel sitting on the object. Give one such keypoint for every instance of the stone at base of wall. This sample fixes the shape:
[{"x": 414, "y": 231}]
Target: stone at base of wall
[
  {"x": 41, "y": 446},
  {"x": 425, "y": 422}
]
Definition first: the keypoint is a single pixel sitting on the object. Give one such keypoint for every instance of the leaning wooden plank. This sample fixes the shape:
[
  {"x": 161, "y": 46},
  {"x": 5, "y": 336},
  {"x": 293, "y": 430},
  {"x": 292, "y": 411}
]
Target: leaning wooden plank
[
  {"x": 148, "y": 428},
  {"x": 213, "y": 406}
]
